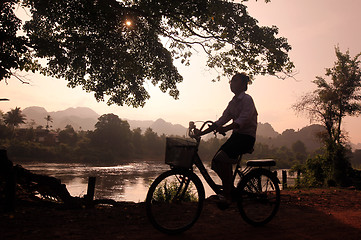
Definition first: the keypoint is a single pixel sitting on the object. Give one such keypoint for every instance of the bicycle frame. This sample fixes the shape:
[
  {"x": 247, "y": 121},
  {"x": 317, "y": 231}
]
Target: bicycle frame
[
  {"x": 199, "y": 164},
  {"x": 215, "y": 187}
]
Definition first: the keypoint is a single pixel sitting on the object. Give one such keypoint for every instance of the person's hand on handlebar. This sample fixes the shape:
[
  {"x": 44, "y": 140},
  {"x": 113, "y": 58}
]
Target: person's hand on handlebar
[
  {"x": 197, "y": 133},
  {"x": 221, "y": 130}
]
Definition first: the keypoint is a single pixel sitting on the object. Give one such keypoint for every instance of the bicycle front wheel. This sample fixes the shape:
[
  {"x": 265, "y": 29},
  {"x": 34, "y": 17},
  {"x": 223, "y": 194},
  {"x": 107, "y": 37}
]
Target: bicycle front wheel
[
  {"x": 260, "y": 197},
  {"x": 175, "y": 200}
]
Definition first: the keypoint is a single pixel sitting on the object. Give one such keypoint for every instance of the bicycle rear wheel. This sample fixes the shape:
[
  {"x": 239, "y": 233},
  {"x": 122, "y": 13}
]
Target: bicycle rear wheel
[
  {"x": 260, "y": 197},
  {"x": 175, "y": 200}
]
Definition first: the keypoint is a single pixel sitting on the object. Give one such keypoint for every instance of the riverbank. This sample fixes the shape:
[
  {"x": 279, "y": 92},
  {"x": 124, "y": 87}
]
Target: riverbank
[{"x": 304, "y": 214}]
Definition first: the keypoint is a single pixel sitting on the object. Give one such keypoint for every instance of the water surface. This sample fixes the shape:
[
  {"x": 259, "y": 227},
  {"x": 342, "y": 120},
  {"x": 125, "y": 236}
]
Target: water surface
[{"x": 128, "y": 182}]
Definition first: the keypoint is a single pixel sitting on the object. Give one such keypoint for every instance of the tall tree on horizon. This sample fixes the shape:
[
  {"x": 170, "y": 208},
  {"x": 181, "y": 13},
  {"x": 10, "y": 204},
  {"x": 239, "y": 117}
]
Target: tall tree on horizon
[
  {"x": 48, "y": 119},
  {"x": 330, "y": 103}
]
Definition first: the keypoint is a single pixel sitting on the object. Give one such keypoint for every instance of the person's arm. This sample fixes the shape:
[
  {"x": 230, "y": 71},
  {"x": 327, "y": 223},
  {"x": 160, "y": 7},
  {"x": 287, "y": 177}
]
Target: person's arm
[
  {"x": 223, "y": 130},
  {"x": 220, "y": 129},
  {"x": 218, "y": 124}
]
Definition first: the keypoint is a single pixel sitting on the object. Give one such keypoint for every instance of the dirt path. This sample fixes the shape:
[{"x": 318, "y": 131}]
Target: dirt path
[{"x": 307, "y": 214}]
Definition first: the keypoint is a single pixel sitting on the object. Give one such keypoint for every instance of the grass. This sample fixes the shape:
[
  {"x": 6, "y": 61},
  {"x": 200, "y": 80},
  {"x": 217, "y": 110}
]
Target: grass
[{"x": 169, "y": 192}]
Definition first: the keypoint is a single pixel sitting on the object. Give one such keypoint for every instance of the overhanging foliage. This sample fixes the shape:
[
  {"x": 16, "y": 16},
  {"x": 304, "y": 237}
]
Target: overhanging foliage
[{"x": 113, "y": 48}]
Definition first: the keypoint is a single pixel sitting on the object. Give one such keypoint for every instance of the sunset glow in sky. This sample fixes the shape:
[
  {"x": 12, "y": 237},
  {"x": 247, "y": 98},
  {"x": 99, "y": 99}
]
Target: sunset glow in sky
[{"x": 313, "y": 28}]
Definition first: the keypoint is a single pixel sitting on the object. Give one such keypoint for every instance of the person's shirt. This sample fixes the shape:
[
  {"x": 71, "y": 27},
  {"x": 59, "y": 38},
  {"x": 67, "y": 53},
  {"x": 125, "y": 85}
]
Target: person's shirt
[{"x": 241, "y": 110}]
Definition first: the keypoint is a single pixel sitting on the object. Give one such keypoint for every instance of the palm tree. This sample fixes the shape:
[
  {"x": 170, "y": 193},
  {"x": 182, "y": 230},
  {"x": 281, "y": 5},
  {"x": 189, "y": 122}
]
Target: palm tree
[
  {"x": 14, "y": 118},
  {"x": 48, "y": 119}
]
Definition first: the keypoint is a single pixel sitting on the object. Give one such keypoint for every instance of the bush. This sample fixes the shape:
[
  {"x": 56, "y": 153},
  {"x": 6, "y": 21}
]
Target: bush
[
  {"x": 331, "y": 168},
  {"x": 313, "y": 172}
]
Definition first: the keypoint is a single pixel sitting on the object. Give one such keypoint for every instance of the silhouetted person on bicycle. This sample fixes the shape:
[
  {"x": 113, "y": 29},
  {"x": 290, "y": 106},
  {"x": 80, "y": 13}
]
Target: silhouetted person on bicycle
[{"x": 242, "y": 111}]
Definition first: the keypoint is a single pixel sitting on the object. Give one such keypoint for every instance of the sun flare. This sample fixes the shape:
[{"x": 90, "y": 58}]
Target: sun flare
[{"x": 128, "y": 23}]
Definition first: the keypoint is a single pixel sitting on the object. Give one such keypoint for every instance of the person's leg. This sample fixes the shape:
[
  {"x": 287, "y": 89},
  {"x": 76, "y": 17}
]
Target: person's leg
[
  {"x": 222, "y": 165},
  {"x": 227, "y": 155}
]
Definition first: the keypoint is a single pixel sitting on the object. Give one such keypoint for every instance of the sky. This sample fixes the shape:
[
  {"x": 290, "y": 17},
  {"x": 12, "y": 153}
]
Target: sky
[{"x": 313, "y": 28}]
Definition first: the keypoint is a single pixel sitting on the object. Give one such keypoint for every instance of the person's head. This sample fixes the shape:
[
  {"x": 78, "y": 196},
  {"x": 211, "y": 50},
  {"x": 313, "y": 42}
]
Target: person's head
[{"x": 239, "y": 83}]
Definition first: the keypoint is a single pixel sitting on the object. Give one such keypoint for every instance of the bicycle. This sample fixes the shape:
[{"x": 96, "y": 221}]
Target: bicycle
[{"x": 175, "y": 199}]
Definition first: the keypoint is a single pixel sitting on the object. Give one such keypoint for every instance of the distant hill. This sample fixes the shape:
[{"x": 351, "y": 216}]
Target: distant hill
[
  {"x": 85, "y": 119},
  {"x": 266, "y": 130},
  {"x": 162, "y": 127},
  {"x": 307, "y": 135},
  {"x": 355, "y": 146},
  {"x": 80, "y": 117},
  {"x": 159, "y": 126}
]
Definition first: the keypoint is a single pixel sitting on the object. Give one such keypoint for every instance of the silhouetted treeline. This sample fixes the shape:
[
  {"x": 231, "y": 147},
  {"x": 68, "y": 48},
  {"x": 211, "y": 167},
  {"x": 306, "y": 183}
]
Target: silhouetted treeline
[{"x": 113, "y": 142}]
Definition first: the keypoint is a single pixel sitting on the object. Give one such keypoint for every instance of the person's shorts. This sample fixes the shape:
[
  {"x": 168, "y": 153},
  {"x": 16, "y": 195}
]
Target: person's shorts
[{"x": 238, "y": 144}]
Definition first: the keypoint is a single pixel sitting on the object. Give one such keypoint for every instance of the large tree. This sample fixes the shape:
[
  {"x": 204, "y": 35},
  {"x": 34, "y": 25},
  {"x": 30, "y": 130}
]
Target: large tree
[
  {"x": 112, "y": 134},
  {"x": 115, "y": 47},
  {"x": 333, "y": 100}
]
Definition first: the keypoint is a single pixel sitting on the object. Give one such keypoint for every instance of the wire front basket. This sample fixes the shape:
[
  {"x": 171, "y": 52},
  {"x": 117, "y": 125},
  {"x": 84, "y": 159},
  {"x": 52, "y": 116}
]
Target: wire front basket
[{"x": 179, "y": 152}]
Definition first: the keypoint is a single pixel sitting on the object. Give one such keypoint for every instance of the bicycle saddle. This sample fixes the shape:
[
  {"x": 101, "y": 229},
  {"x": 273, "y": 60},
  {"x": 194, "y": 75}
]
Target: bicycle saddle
[{"x": 261, "y": 163}]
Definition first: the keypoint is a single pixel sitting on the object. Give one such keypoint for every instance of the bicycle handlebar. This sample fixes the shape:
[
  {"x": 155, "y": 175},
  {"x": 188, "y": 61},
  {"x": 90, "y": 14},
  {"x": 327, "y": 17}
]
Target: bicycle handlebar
[{"x": 192, "y": 130}]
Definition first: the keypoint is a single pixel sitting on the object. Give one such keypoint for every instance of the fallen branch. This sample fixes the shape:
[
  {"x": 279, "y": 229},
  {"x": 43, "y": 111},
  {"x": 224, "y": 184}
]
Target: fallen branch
[{"x": 21, "y": 183}]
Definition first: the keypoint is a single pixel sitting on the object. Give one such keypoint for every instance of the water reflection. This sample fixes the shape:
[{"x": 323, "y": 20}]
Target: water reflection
[{"x": 122, "y": 183}]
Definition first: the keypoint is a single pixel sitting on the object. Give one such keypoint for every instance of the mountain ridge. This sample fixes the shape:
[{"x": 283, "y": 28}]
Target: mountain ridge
[
  {"x": 80, "y": 118},
  {"x": 83, "y": 118}
]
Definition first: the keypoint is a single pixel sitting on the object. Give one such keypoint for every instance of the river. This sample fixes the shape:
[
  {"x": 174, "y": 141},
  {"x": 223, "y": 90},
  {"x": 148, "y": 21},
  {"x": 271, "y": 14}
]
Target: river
[{"x": 128, "y": 182}]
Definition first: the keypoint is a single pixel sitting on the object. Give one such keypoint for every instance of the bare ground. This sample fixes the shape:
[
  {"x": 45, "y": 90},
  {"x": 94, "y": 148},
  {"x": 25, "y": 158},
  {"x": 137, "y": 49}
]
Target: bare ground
[{"x": 304, "y": 214}]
